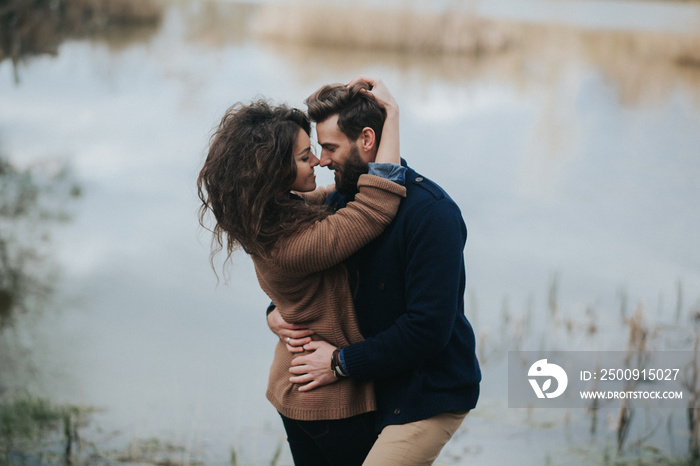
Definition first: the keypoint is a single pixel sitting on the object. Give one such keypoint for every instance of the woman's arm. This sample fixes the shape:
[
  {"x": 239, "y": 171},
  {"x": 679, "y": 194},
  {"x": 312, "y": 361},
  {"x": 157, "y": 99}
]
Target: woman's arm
[
  {"x": 330, "y": 241},
  {"x": 337, "y": 237},
  {"x": 389, "y": 150}
]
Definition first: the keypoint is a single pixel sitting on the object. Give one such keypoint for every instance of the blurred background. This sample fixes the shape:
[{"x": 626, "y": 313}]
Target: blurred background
[{"x": 568, "y": 131}]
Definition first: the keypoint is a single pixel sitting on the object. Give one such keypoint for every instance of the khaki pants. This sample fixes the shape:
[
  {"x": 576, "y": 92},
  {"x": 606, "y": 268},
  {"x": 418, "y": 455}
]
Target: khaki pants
[{"x": 416, "y": 443}]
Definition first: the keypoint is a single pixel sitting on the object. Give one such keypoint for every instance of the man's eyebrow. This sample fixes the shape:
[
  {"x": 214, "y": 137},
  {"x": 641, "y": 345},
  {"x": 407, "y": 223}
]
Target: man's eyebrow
[{"x": 328, "y": 144}]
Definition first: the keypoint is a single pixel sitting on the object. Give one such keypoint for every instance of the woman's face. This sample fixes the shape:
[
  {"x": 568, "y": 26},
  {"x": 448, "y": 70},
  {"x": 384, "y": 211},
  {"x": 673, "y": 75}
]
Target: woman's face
[{"x": 305, "y": 161}]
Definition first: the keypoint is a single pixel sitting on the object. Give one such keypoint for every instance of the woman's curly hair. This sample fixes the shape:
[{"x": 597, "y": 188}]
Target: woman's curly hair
[{"x": 247, "y": 177}]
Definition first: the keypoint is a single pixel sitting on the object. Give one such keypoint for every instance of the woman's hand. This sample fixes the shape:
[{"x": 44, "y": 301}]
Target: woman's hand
[
  {"x": 389, "y": 147},
  {"x": 295, "y": 336},
  {"x": 378, "y": 91},
  {"x": 314, "y": 369}
]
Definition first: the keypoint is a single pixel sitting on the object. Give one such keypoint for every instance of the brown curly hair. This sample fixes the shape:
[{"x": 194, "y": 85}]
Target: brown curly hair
[{"x": 247, "y": 177}]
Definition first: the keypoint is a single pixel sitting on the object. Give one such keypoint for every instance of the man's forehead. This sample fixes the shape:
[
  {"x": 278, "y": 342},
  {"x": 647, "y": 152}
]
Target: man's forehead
[{"x": 327, "y": 131}]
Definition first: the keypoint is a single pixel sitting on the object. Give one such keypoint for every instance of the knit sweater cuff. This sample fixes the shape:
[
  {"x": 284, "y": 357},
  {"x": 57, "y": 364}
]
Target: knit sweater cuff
[{"x": 354, "y": 363}]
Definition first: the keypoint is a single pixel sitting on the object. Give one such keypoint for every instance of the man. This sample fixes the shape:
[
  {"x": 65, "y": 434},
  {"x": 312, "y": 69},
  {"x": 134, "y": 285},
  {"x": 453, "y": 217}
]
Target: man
[{"x": 408, "y": 289}]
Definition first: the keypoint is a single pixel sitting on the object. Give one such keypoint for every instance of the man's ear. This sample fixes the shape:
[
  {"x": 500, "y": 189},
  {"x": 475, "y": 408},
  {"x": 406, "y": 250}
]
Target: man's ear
[{"x": 368, "y": 139}]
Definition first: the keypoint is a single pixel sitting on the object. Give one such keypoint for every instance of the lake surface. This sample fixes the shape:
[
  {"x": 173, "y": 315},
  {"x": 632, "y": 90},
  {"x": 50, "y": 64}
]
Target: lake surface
[{"x": 575, "y": 161}]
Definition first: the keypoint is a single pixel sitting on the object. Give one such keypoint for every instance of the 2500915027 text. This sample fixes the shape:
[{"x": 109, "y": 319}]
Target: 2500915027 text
[{"x": 631, "y": 374}]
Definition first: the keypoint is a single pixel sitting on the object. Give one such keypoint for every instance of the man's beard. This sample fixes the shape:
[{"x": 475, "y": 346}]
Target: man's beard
[{"x": 350, "y": 172}]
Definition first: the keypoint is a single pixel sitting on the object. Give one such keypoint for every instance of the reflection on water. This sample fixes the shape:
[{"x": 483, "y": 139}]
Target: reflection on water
[
  {"x": 38, "y": 27},
  {"x": 646, "y": 67},
  {"x": 456, "y": 44},
  {"x": 31, "y": 200},
  {"x": 402, "y": 30},
  {"x": 571, "y": 151},
  {"x": 217, "y": 24}
]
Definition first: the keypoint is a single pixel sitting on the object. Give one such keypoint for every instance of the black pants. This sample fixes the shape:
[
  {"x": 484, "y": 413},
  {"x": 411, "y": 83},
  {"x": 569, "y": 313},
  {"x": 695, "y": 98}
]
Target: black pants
[{"x": 342, "y": 442}]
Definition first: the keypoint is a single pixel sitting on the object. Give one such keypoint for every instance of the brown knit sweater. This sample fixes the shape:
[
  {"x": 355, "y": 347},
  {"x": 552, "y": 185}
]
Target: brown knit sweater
[{"x": 306, "y": 280}]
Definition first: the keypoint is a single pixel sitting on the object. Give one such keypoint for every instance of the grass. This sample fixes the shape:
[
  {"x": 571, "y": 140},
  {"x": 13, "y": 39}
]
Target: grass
[
  {"x": 36, "y": 430},
  {"x": 619, "y": 433}
]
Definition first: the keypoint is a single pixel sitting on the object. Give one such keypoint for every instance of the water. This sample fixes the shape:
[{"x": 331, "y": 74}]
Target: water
[
  {"x": 571, "y": 165},
  {"x": 656, "y": 16}
]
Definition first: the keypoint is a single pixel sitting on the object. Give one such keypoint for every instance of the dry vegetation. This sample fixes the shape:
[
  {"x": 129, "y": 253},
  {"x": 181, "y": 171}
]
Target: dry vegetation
[
  {"x": 645, "y": 66},
  {"x": 457, "y": 31},
  {"x": 403, "y": 30},
  {"x": 635, "y": 430},
  {"x": 31, "y": 27}
]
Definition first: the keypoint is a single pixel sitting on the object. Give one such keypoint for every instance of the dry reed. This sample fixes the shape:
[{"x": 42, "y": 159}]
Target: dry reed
[
  {"x": 692, "y": 384},
  {"x": 359, "y": 27},
  {"x": 645, "y": 65},
  {"x": 456, "y": 31}
]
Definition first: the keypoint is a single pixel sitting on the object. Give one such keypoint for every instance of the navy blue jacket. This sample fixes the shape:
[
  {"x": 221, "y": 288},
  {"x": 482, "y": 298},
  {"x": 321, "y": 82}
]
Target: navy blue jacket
[{"x": 409, "y": 288}]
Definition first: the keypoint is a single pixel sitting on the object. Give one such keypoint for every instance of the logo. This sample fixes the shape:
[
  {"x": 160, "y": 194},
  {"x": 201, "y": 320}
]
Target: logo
[{"x": 544, "y": 369}]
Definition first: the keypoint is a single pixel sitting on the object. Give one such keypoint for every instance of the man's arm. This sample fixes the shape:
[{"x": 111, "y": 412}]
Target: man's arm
[
  {"x": 296, "y": 333},
  {"x": 434, "y": 288}
]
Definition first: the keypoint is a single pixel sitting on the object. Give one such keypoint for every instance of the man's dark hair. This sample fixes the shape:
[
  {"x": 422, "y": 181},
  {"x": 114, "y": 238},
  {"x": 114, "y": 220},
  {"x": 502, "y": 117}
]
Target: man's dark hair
[{"x": 355, "y": 110}]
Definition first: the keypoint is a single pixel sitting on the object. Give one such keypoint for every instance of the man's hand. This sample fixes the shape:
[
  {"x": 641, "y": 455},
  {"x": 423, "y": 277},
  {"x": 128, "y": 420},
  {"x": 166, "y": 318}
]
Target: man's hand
[
  {"x": 295, "y": 336},
  {"x": 314, "y": 370}
]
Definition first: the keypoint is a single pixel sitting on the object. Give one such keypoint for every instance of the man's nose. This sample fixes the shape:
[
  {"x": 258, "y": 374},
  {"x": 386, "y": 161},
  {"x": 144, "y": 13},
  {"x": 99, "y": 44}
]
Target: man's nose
[{"x": 324, "y": 161}]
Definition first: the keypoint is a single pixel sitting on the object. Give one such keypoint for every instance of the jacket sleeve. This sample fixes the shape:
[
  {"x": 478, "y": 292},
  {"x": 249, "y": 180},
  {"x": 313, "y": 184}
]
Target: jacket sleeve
[
  {"x": 434, "y": 289},
  {"x": 330, "y": 241}
]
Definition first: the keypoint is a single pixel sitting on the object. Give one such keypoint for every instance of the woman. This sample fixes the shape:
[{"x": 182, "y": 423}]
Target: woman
[{"x": 259, "y": 160}]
